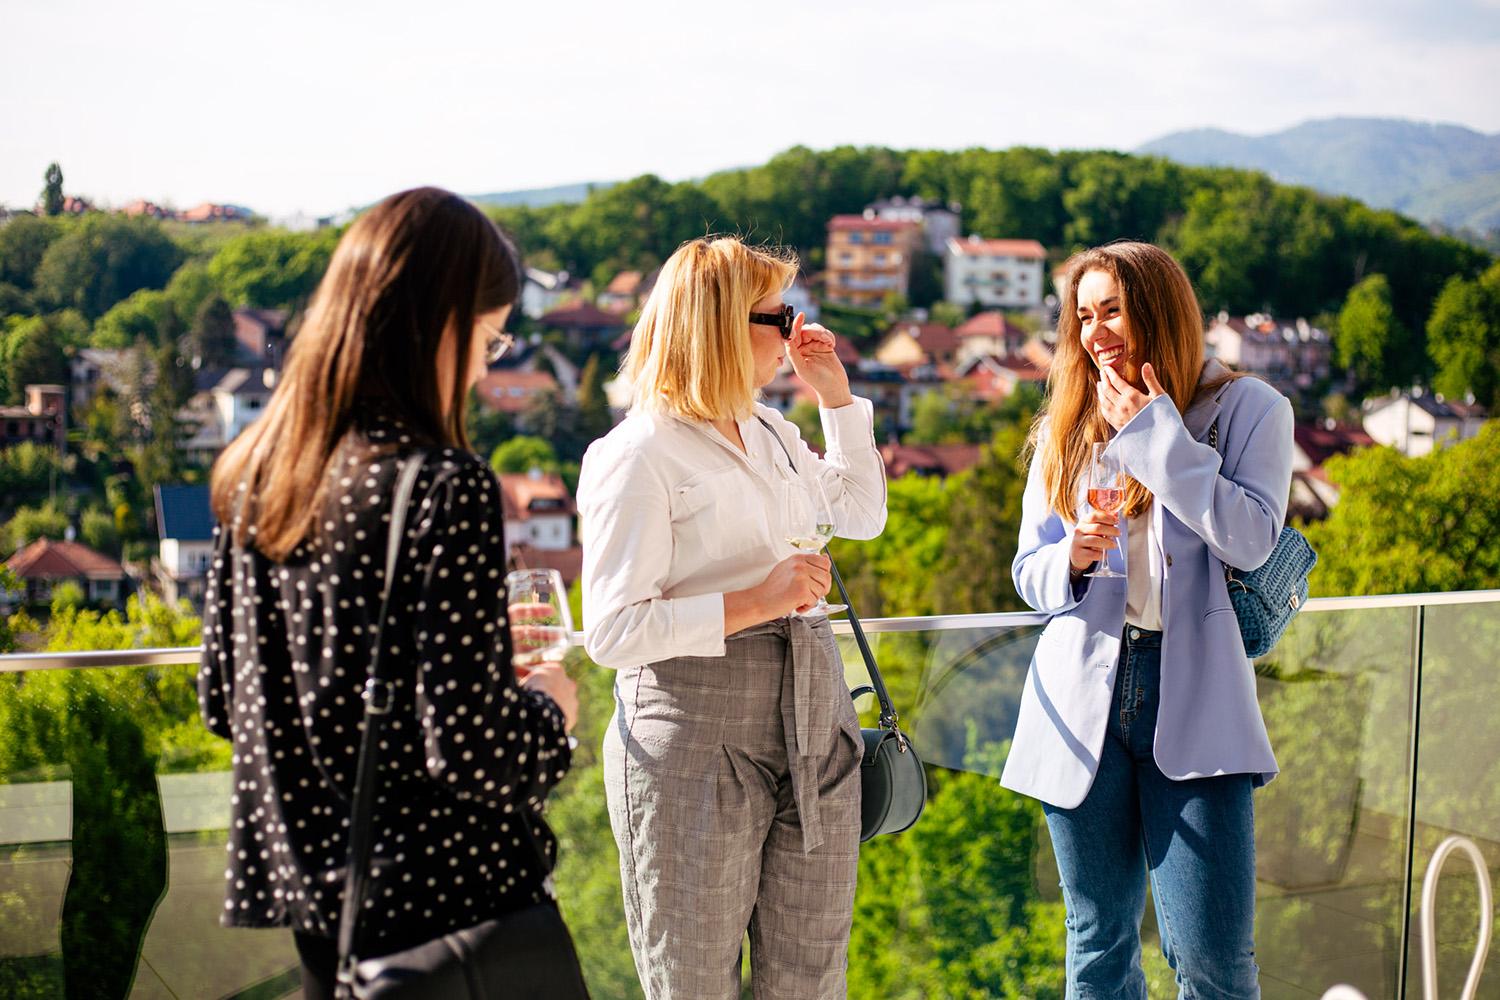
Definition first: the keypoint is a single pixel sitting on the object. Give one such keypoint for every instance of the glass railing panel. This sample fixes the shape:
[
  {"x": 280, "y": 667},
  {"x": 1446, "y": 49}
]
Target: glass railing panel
[
  {"x": 1458, "y": 784},
  {"x": 113, "y": 818},
  {"x": 1331, "y": 829}
]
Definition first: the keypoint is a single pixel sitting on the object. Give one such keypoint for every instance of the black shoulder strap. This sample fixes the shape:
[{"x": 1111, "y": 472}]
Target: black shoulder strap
[
  {"x": 378, "y": 696},
  {"x": 888, "y": 717}
]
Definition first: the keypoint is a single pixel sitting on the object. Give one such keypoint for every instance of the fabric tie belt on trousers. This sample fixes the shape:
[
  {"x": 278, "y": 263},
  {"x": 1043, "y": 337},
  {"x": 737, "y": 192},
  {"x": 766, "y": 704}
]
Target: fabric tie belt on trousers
[{"x": 809, "y": 720}]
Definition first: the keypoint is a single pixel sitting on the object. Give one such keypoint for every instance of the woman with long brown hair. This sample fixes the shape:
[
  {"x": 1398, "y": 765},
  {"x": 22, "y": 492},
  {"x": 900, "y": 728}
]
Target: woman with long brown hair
[
  {"x": 414, "y": 302},
  {"x": 1139, "y": 728}
]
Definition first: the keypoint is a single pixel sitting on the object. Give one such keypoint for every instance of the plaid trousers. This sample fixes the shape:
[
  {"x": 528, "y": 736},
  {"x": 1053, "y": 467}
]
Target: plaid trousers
[{"x": 733, "y": 786}]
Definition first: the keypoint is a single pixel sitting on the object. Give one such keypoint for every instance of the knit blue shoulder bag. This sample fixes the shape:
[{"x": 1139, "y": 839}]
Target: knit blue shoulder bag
[{"x": 1267, "y": 598}]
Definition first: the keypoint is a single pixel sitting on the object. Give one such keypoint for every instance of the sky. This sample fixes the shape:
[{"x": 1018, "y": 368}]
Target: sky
[{"x": 314, "y": 106}]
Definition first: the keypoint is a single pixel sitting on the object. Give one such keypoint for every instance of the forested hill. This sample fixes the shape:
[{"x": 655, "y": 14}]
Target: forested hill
[{"x": 1445, "y": 174}]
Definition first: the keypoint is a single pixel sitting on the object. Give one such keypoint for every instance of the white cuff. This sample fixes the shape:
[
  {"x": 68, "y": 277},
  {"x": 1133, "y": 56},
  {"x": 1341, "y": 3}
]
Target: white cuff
[{"x": 698, "y": 625}]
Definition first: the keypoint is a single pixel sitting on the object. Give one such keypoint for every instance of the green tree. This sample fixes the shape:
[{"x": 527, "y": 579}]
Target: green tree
[
  {"x": 28, "y": 524},
  {"x": 1370, "y": 339},
  {"x": 948, "y": 314},
  {"x": 211, "y": 342},
  {"x": 67, "y": 596},
  {"x": 29, "y": 473},
  {"x": 594, "y": 417},
  {"x": 524, "y": 453},
  {"x": 102, "y": 259},
  {"x": 805, "y": 415},
  {"x": 1463, "y": 336},
  {"x": 189, "y": 288},
  {"x": 97, "y": 530},
  {"x": 1412, "y": 525},
  {"x": 23, "y": 243},
  {"x": 985, "y": 508},
  {"x": 144, "y": 315},
  {"x": 272, "y": 268},
  {"x": 52, "y": 192}
]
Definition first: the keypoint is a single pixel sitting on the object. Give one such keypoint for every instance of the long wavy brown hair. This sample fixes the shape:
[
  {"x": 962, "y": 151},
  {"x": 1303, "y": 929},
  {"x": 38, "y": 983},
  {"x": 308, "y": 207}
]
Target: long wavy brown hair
[
  {"x": 414, "y": 270},
  {"x": 1164, "y": 326}
]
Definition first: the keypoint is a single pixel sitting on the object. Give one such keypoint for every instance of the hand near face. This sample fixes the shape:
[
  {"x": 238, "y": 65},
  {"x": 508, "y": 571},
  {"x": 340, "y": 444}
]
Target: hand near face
[
  {"x": 811, "y": 348},
  {"x": 1120, "y": 401}
]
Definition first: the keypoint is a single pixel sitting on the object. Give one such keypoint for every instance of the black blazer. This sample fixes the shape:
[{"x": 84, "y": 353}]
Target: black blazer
[{"x": 286, "y": 652}]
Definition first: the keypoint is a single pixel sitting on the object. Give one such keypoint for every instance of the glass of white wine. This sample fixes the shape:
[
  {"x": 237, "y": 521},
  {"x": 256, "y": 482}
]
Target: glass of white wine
[
  {"x": 541, "y": 623},
  {"x": 808, "y": 518},
  {"x": 1106, "y": 494}
]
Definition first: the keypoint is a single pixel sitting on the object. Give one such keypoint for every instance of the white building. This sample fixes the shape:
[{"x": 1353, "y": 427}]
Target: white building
[
  {"x": 1416, "y": 422},
  {"x": 1289, "y": 353},
  {"x": 185, "y": 526},
  {"x": 225, "y": 404},
  {"x": 1003, "y": 274},
  {"x": 538, "y": 510},
  {"x": 543, "y": 291}
]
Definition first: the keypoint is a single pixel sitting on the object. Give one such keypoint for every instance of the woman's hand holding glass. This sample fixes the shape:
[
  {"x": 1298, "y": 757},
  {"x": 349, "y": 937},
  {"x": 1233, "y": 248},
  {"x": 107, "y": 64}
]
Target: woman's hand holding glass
[
  {"x": 541, "y": 630},
  {"x": 807, "y": 517}
]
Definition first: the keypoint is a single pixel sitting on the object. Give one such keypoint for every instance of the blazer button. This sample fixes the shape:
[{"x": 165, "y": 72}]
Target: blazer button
[{"x": 1169, "y": 558}]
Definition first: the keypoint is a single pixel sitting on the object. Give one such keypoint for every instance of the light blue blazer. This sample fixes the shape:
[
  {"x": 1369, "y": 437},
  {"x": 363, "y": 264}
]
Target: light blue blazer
[{"x": 1208, "y": 512}]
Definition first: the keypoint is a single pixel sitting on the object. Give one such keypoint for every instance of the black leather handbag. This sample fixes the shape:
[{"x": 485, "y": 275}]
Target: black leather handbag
[
  {"x": 893, "y": 783},
  {"x": 527, "y": 954}
]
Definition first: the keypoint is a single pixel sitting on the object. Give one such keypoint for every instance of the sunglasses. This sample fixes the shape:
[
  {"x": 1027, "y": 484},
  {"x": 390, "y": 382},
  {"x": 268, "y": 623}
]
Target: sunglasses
[{"x": 780, "y": 320}]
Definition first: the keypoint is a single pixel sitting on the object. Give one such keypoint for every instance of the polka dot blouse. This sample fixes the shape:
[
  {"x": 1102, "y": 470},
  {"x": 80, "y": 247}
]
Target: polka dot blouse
[{"x": 469, "y": 755}]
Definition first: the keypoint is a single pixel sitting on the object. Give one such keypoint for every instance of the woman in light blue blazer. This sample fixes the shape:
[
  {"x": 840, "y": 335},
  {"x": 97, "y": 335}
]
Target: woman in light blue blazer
[{"x": 1138, "y": 727}]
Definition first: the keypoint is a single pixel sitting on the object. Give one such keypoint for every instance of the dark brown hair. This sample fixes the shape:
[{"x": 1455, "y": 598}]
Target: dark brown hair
[{"x": 413, "y": 270}]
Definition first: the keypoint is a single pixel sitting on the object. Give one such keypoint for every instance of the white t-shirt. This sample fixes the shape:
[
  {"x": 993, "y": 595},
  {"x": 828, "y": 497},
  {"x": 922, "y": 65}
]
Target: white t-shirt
[
  {"x": 672, "y": 516},
  {"x": 1144, "y": 574}
]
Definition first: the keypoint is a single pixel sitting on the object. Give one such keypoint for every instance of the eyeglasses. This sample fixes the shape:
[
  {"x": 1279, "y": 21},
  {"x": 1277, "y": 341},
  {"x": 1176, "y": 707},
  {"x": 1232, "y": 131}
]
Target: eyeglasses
[
  {"x": 780, "y": 320},
  {"x": 496, "y": 343}
]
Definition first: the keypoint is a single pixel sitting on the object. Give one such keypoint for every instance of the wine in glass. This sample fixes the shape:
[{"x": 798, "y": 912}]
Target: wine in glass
[
  {"x": 541, "y": 626},
  {"x": 808, "y": 518},
  {"x": 1106, "y": 494}
]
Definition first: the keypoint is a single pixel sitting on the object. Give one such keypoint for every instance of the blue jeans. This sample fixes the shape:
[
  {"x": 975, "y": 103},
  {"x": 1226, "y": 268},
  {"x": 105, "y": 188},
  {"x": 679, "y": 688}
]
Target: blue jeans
[{"x": 1194, "y": 840}]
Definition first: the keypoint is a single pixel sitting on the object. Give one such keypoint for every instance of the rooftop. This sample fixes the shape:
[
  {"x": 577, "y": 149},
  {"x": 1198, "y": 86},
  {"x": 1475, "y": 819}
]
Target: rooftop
[{"x": 50, "y": 559}]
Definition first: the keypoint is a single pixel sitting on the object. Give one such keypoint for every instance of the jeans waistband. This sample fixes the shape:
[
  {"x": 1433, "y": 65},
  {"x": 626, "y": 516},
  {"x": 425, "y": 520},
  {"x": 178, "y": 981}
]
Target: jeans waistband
[{"x": 1141, "y": 638}]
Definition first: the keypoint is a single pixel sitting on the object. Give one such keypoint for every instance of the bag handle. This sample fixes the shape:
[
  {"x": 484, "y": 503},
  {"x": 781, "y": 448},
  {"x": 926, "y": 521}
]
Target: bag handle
[
  {"x": 378, "y": 696},
  {"x": 888, "y": 716}
]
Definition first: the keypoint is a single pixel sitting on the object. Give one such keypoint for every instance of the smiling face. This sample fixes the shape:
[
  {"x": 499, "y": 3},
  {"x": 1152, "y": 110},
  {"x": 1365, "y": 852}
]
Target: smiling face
[
  {"x": 1103, "y": 327},
  {"x": 767, "y": 349}
]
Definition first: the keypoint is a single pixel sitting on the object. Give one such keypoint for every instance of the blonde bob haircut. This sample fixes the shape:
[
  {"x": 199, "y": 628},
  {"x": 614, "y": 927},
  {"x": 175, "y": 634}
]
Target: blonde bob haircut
[{"x": 690, "y": 353}]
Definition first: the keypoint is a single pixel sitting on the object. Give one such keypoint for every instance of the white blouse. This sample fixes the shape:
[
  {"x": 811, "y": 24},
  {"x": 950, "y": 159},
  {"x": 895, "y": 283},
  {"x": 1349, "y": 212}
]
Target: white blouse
[
  {"x": 672, "y": 516},
  {"x": 1144, "y": 574}
]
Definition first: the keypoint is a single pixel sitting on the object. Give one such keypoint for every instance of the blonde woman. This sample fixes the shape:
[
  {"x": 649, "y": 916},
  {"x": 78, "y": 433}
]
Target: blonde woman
[{"x": 732, "y": 760}]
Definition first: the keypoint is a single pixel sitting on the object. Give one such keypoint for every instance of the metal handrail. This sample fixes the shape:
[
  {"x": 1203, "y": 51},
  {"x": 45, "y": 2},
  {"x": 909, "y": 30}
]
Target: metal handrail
[
  {"x": 16, "y": 662},
  {"x": 1428, "y": 918}
]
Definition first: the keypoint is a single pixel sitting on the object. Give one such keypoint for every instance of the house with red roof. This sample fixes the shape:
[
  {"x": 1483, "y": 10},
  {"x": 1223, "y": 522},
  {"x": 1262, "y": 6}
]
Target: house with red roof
[
  {"x": 989, "y": 332},
  {"x": 47, "y": 562},
  {"x": 584, "y": 324},
  {"x": 940, "y": 460},
  {"x": 1004, "y": 274},
  {"x": 907, "y": 344},
  {"x": 538, "y": 512},
  {"x": 510, "y": 390}
]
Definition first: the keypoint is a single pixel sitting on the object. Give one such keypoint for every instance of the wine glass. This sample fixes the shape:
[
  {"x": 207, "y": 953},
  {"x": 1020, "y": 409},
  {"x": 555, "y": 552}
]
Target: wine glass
[
  {"x": 541, "y": 623},
  {"x": 1106, "y": 494},
  {"x": 808, "y": 518}
]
